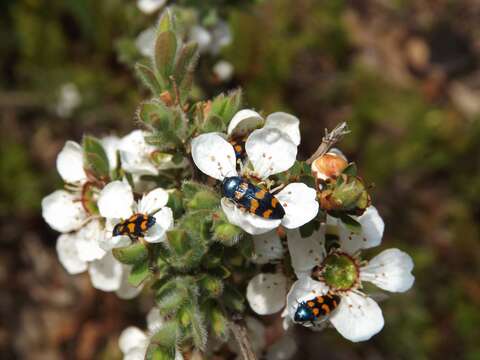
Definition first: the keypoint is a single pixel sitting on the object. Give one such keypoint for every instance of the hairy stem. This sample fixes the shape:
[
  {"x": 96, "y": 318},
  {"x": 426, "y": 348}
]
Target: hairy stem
[
  {"x": 330, "y": 139},
  {"x": 239, "y": 330}
]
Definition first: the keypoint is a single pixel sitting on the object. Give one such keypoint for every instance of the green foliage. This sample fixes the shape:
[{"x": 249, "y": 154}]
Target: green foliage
[
  {"x": 95, "y": 158},
  {"x": 131, "y": 254},
  {"x": 168, "y": 124}
]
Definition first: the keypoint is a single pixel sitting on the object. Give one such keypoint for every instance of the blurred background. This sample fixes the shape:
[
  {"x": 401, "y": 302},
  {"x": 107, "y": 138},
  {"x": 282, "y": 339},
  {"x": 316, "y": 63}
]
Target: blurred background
[{"x": 404, "y": 74}]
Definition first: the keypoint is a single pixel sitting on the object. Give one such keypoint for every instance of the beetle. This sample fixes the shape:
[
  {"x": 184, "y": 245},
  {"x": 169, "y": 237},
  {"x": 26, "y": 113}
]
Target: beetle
[
  {"x": 238, "y": 144},
  {"x": 135, "y": 226},
  {"x": 311, "y": 310},
  {"x": 252, "y": 198}
]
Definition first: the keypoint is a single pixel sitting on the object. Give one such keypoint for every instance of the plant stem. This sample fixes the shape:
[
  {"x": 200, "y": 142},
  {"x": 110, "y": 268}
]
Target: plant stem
[
  {"x": 239, "y": 330},
  {"x": 330, "y": 139}
]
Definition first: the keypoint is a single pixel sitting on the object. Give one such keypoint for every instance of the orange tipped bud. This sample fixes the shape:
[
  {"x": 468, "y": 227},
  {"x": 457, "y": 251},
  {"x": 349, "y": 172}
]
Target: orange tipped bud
[{"x": 329, "y": 165}]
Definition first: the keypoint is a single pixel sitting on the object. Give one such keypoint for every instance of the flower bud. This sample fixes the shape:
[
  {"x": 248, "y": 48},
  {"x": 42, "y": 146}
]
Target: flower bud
[
  {"x": 347, "y": 194},
  {"x": 329, "y": 165}
]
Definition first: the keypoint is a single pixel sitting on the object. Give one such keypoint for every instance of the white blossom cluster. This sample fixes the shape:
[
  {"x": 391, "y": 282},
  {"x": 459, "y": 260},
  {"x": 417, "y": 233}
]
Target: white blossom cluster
[
  {"x": 240, "y": 182},
  {"x": 86, "y": 238}
]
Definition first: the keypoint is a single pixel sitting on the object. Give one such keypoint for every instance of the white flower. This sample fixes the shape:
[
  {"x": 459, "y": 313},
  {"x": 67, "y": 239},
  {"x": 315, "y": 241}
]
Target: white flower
[
  {"x": 106, "y": 273},
  {"x": 211, "y": 40},
  {"x": 270, "y": 150},
  {"x": 358, "y": 317},
  {"x": 116, "y": 202},
  {"x": 150, "y": 6},
  {"x": 63, "y": 211},
  {"x": 133, "y": 342},
  {"x": 136, "y": 154},
  {"x": 223, "y": 70},
  {"x": 69, "y": 99},
  {"x": 145, "y": 42},
  {"x": 267, "y": 248},
  {"x": 111, "y": 144}
]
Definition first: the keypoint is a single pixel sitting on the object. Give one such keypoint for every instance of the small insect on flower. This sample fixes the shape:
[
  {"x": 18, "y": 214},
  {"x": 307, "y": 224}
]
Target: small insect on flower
[
  {"x": 238, "y": 144},
  {"x": 252, "y": 198},
  {"x": 311, "y": 310},
  {"x": 135, "y": 226}
]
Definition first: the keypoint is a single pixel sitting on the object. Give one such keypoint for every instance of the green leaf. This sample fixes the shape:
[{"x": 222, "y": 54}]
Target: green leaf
[
  {"x": 350, "y": 170},
  {"x": 203, "y": 199},
  {"x": 210, "y": 286},
  {"x": 165, "y": 51},
  {"x": 95, "y": 158},
  {"x": 155, "y": 352},
  {"x": 131, "y": 254},
  {"x": 213, "y": 123},
  {"x": 178, "y": 241},
  {"x": 167, "y": 22},
  {"x": 199, "y": 331},
  {"x": 168, "y": 124},
  {"x": 351, "y": 224},
  {"x": 226, "y": 233},
  {"x": 147, "y": 76},
  {"x": 174, "y": 293},
  {"x": 166, "y": 336},
  {"x": 184, "y": 68},
  {"x": 222, "y": 109},
  {"x": 139, "y": 273},
  {"x": 175, "y": 202},
  {"x": 218, "y": 321}
]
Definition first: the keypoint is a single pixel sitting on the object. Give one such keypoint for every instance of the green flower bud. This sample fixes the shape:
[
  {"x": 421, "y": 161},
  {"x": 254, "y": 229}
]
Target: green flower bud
[{"x": 345, "y": 194}]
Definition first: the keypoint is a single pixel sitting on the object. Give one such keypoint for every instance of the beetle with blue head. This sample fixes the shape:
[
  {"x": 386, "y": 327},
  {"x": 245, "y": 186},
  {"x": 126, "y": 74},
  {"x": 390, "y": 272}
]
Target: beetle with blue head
[
  {"x": 252, "y": 198},
  {"x": 311, "y": 310}
]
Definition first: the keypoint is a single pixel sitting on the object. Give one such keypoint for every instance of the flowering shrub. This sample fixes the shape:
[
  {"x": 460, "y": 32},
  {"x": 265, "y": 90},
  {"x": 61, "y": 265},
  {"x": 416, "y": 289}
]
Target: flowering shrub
[{"x": 206, "y": 206}]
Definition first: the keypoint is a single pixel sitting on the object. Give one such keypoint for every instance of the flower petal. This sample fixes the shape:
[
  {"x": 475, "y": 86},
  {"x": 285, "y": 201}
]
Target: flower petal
[
  {"x": 243, "y": 122},
  {"x": 270, "y": 152},
  {"x": 63, "y": 211},
  {"x": 110, "y": 145},
  {"x": 223, "y": 70},
  {"x": 127, "y": 291},
  {"x": 116, "y": 200},
  {"x": 268, "y": 247},
  {"x": 214, "y": 156},
  {"x": 163, "y": 223},
  {"x": 150, "y": 6},
  {"x": 135, "y": 154},
  {"x": 106, "y": 274},
  {"x": 357, "y": 318},
  {"x": 145, "y": 42},
  {"x": 153, "y": 201},
  {"x": 137, "y": 353},
  {"x": 306, "y": 253},
  {"x": 130, "y": 338},
  {"x": 300, "y": 204},
  {"x": 286, "y": 123},
  {"x": 370, "y": 236},
  {"x": 68, "y": 254},
  {"x": 70, "y": 163},
  {"x": 252, "y": 224},
  {"x": 303, "y": 289},
  {"x": 390, "y": 270},
  {"x": 266, "y": 293},
  {"x": 154, "y": 320},
  {"x": 201, "y": 36},
  {"x": 88, "y": 239}
]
